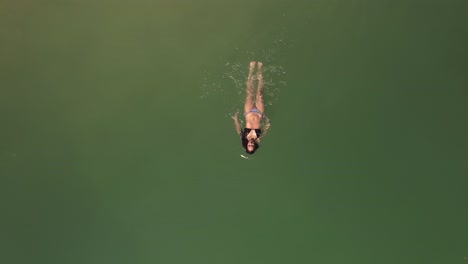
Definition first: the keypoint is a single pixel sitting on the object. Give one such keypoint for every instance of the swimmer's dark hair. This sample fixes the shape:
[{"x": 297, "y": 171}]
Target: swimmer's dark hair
[{"x": 244, "y": 144}]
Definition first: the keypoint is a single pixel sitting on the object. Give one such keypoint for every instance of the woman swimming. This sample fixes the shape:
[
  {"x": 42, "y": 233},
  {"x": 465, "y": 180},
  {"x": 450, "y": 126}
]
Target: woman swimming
[{"x": 254, "y": 112}]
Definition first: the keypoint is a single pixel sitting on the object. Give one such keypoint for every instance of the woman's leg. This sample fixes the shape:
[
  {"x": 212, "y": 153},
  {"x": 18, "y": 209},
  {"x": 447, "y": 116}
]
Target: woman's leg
[
  {"x": 249, "y": 102},
  {"x": 259, "y": 97}
]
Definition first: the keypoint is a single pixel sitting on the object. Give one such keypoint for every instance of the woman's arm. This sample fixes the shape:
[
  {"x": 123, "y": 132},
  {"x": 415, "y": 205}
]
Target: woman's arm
[
  {"x": 267, "y": 126},
  {"x": 236, "y": 123}
]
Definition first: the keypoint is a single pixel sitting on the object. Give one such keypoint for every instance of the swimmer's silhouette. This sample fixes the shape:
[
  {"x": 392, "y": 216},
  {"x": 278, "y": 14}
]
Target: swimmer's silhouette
[{"x": 254, "y": 112}]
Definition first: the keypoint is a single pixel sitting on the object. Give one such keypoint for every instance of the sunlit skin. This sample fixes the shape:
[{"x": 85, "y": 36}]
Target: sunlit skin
[
  {"x": 250, "y": 145},
  {"x": 254, "y": 107}
]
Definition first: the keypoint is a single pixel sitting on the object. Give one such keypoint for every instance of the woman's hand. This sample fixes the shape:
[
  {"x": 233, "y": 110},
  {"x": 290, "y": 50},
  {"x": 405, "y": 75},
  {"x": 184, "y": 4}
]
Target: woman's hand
[{"x": 236, "y": 123}]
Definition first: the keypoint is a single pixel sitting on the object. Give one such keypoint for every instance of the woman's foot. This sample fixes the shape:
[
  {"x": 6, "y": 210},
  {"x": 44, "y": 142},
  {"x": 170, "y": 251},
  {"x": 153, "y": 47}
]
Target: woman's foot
[
  {"x": 259, "y": 71},
  {"x": 252, "y": 66}
]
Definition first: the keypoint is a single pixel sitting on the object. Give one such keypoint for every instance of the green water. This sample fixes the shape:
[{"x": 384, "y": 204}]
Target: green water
[{"x": 117, "y": 146}]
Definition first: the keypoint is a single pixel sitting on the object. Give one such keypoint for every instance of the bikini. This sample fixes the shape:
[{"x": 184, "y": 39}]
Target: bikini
[
  {"x": 246, "y": 131},
  {"x": 256, "y": 111}
]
